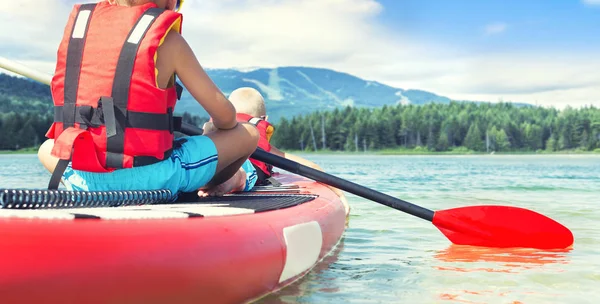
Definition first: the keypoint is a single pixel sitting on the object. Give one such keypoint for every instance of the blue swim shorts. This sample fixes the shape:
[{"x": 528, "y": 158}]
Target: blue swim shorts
[
  {"x": 191, "y": 165},
  {"x": 251, "y": 176}
]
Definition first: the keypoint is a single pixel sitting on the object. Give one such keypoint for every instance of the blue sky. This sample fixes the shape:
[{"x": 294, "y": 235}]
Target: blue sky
[
  {"x": 535, "y": 51},
  {"x": 531, "y": 24}
]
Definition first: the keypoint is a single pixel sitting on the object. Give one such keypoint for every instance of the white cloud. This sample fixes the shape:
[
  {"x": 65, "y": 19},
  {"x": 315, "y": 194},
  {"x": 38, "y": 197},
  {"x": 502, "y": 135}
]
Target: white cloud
[
  {"x": 31, "y": 31},
  {"x": 549, "y": 79},
  {"x": 495, "y": 28},
  {"x": 591, "y": 2},
  {"x": 339, "y": 34}
]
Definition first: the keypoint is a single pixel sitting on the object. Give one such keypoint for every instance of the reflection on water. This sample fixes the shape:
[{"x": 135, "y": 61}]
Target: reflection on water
[
  {"x": 305, "y": 286},
  {"x": 514, "y": 262},
  {"x": 510, "y": 260}
]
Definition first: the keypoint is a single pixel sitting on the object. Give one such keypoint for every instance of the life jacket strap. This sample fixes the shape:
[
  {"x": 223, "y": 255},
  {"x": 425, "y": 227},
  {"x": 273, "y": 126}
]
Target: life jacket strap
[
  {"x": 73, "y": 62},
  {"x": 92, "y": 117},
  {"x": 115, "y": 144},
  {"x": 57, "y": 174},
  {"x": 107, "y": 105},
  {"x": 178, "y": 90}
]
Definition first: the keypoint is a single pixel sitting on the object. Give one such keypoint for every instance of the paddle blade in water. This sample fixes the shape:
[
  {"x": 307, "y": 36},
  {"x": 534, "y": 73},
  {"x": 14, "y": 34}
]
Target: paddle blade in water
[{"x": 501, "y": 226}]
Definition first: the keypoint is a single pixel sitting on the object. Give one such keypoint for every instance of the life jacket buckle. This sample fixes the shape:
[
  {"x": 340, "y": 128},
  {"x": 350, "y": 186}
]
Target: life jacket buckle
[{"x": 90, "y": 116}]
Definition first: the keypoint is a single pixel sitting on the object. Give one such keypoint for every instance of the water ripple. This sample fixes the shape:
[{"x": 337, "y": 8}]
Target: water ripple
[{"x": 391, "y": 257}]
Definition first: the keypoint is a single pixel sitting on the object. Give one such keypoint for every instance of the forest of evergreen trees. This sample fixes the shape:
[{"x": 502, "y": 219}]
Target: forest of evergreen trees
[
  {"x": 442, "y": 127},
  {"x": 436, "y": 127},
  {"x": 26, "y": 114}
]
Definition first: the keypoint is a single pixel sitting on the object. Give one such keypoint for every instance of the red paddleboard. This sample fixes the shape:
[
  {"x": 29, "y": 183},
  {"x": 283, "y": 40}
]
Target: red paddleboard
[{"x": 198, "y": 252}]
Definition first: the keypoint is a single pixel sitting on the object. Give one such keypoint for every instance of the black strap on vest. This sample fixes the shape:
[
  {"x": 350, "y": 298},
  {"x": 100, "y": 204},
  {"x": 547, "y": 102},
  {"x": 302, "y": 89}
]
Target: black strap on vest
[
  {"x": 73, "y": 63},
  {"x": 115, "y": 144},
  {"x": 89, "y": 116},
  {"x": 178, "y": 88},
  {"x": 71, "y": 84},
  {"x": 60, "y": 168}
]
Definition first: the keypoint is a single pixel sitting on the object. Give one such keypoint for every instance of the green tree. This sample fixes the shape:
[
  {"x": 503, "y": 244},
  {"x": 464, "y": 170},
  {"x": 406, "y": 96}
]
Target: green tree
[
  {"x": 584, "y": 142},
  {"x": 442, "y": 143},
  {"x": 502, "y": 142},
  {"x": 551, "y": 144},
  {"x": 473, "y": 139}
]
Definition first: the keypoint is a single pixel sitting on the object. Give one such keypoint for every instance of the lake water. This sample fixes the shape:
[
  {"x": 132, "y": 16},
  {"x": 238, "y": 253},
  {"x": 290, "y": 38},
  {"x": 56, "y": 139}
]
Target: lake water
[{"x": 388, "y": 256}]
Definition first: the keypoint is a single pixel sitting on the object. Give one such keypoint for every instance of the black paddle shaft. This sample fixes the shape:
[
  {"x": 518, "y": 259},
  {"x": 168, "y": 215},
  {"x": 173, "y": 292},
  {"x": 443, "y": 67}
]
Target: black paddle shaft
[
  {"x": 362, "y": 191},
  {"x": 328, "y": 179}
]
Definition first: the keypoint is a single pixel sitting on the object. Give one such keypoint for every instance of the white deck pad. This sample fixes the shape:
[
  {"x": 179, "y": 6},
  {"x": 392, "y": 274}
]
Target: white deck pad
[{"x": 303, "y": 242}]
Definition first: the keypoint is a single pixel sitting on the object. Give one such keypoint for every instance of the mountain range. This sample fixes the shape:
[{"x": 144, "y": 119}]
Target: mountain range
[{"x": 288, "y": 91}]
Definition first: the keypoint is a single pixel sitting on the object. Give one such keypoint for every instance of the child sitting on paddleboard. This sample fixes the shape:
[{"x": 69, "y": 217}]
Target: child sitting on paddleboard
[
  {"x": 250, "y": 107},
  {"x": 114, "y": 92}
]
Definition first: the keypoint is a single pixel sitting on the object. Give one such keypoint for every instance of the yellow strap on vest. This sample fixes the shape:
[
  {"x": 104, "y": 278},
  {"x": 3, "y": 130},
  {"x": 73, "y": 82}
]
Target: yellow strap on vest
[{"x": 270, "y": 131}]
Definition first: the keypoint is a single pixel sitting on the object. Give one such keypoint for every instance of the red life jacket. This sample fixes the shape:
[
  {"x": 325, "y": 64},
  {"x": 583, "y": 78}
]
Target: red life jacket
[
  {"x": 109, "y": 111},
  {"x": 265, "y": 129}
]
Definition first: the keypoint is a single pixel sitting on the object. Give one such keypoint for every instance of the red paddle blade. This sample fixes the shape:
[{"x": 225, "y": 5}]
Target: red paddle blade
[{"x": 503, "y": 227}]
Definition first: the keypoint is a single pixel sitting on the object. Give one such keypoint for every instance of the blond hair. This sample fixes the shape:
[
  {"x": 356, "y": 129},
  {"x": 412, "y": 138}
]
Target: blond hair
[
  {"x": 130, "y": 2},
  {"x": 248, "y": 101}
]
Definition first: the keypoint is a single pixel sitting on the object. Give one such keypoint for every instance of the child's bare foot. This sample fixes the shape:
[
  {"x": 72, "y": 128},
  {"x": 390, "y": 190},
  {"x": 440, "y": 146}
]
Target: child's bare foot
[{"x": 235, "y": 183}]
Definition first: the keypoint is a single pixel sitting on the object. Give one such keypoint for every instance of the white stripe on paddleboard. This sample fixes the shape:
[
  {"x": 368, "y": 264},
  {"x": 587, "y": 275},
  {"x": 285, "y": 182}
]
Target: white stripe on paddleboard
[
  {"x": 37, "y": 214},
  {"x": 204, "y": 209},
  {"x": 172, "y": 211},
  {"x": 217, "y": 211},
  {"x": 116, "y": 214},
  {"x": 172, "y": 206},
  {"x": 303, "y": 243}
]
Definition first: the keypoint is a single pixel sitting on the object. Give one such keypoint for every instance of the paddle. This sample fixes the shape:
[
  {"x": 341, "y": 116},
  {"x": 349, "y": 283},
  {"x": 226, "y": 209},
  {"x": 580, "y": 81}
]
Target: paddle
[
  {"x": 484, "y": 225},
  {"x": 489, "y": 226}
]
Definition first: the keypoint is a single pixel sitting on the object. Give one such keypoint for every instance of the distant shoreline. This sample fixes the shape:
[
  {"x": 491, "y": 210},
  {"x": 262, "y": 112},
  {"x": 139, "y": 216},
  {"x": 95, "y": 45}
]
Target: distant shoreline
[
  {"x": 455, "y": 152},
  {"x": 20, "y": 151},
  {"x": 416, "y": 151}
]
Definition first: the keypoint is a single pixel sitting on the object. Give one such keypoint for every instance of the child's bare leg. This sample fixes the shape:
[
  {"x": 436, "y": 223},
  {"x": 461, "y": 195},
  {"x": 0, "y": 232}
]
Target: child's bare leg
[
  {"x": 45, "y": 156},
  {"x": 233, "y": 147}
]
